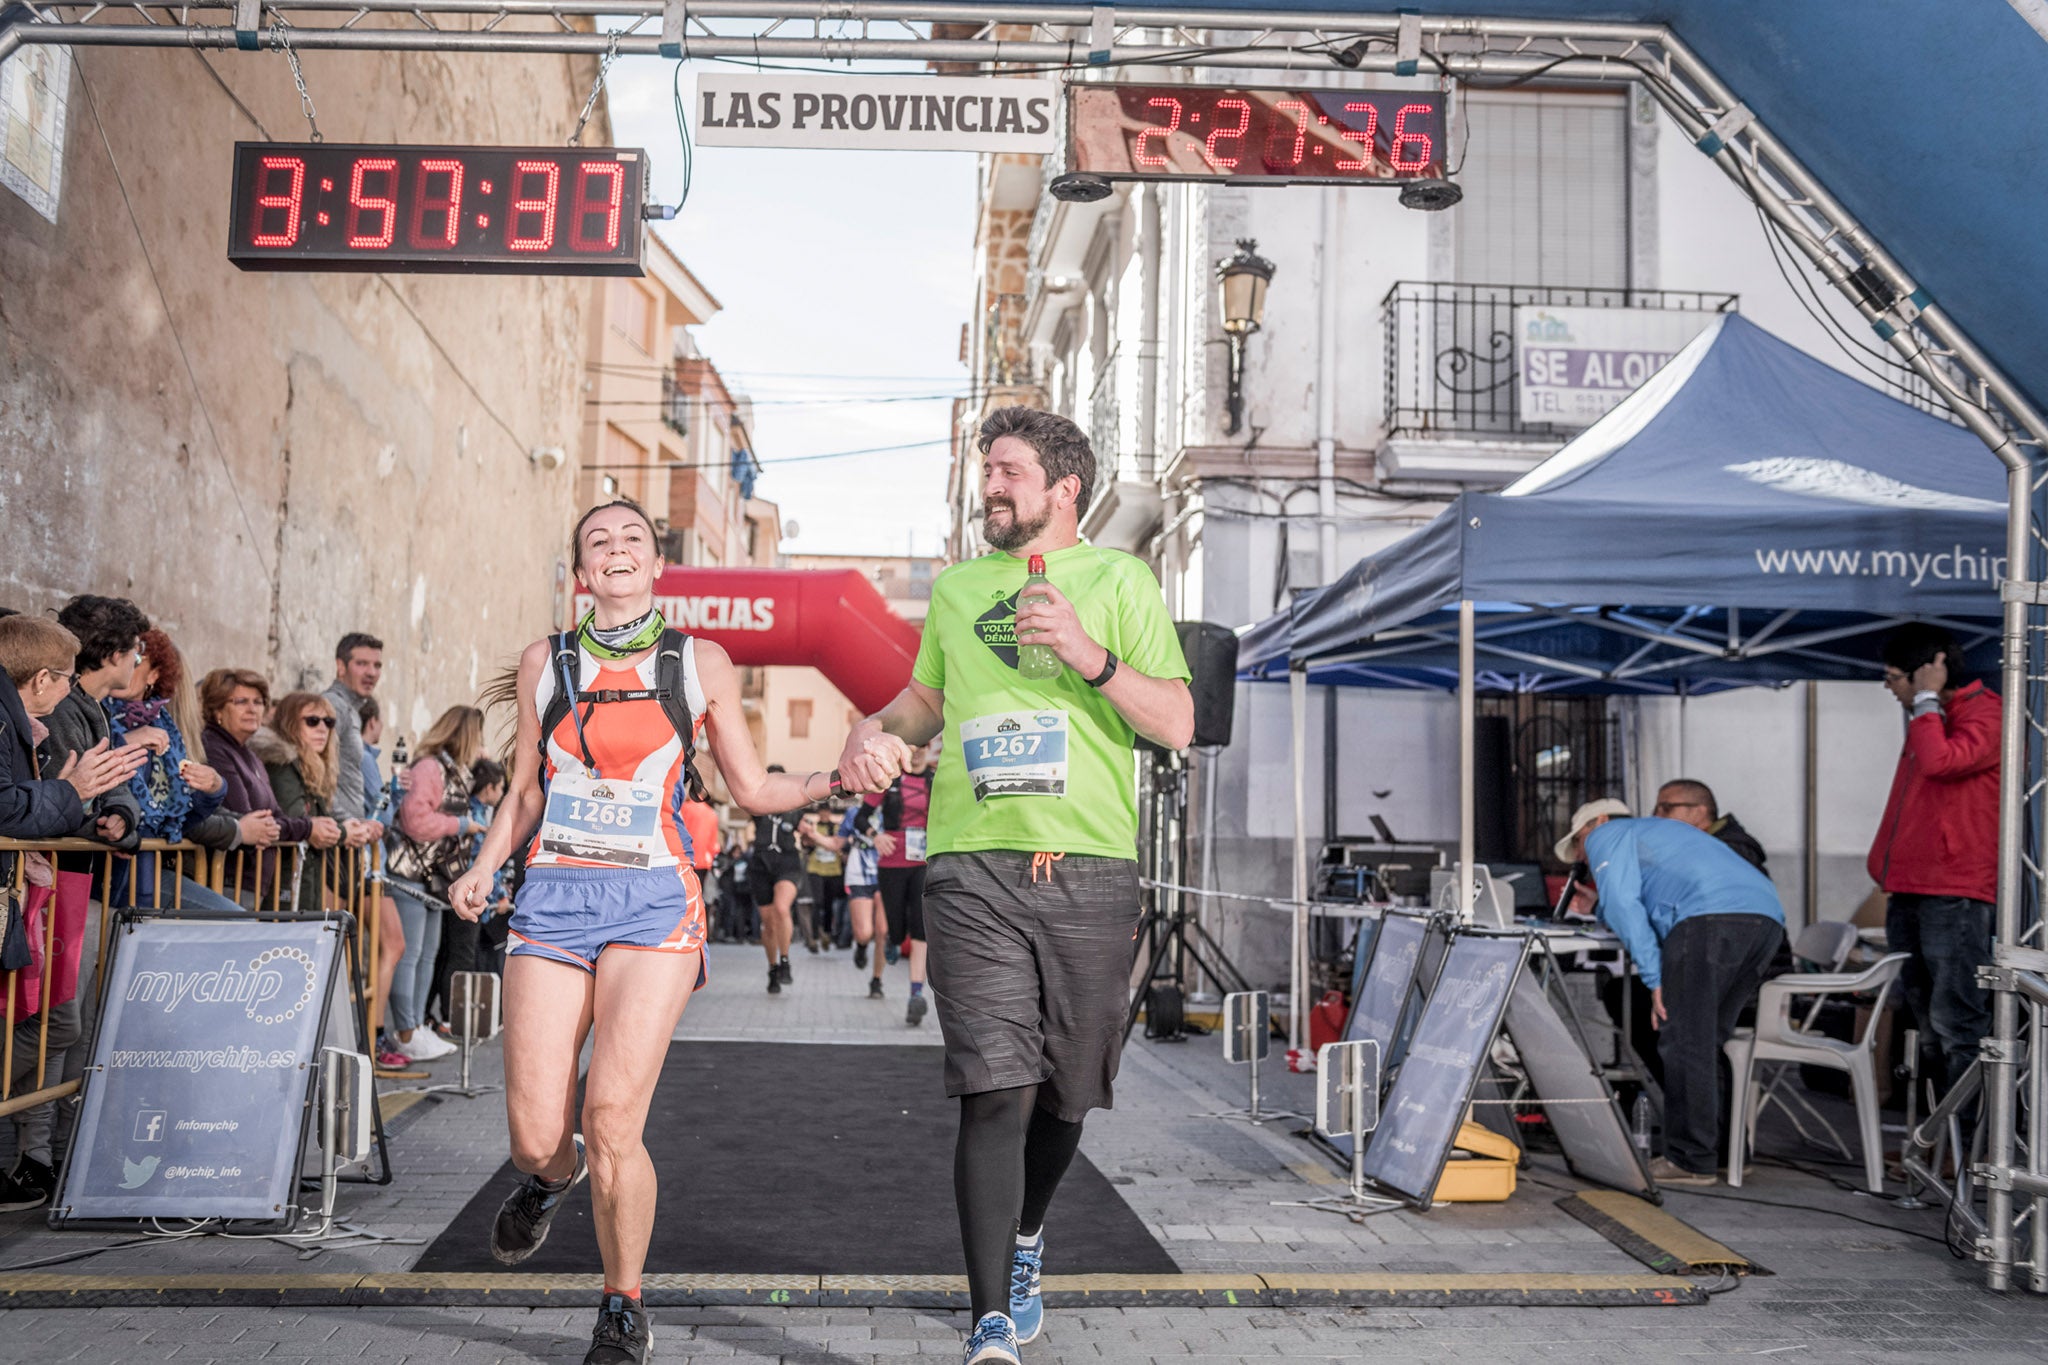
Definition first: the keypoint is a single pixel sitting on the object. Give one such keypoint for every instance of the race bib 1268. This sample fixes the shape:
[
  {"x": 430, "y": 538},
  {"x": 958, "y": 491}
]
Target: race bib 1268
[
  {"x": 1017, "y": 753},
  {"x": 603, "y": 820}
]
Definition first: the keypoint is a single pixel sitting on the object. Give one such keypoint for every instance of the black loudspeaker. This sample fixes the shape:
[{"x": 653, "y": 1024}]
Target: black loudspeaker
[
  {"x": 1493, "y": 809},
  {"x": 1211, "y": 652}
]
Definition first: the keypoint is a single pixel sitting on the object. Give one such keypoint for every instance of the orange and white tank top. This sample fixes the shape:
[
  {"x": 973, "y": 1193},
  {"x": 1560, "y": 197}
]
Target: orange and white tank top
[{"x": 627, "y": 811}]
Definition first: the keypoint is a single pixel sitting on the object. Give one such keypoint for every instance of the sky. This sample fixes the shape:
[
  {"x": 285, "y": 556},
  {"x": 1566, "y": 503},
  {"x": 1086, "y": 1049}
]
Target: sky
[{"x": 845, "y": 279}]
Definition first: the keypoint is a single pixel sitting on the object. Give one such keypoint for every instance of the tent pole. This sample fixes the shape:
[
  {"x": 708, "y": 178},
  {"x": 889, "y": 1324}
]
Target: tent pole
[
  {"x": 1467, "y": 771},
  {"x": 1297, "y": 948},
  {"x": 1811, "y": 878}
]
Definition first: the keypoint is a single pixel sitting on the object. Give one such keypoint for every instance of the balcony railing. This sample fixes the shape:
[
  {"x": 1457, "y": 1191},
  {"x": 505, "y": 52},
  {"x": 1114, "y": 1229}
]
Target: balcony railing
[
  {"x": 675, "y": 406},
  {"x": 1451, "y": 360},
  {"x": 1105, "y": 418}
]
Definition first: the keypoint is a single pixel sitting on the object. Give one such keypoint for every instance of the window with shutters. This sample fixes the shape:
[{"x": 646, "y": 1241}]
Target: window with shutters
[{"x": 1545, "y": 175}]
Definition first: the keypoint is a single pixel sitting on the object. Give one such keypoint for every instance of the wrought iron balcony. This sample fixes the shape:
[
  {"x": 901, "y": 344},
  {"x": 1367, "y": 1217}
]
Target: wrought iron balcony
[
  {"x": 1451, "y": 358},
  {"x": 1105, "y": 420},
  {"x": 675, "y": 406}
]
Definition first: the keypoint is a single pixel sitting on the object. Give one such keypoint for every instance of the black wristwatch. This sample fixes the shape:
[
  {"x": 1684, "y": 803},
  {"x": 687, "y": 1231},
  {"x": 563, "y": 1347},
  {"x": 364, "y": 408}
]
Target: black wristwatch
[{"x": 1108, "y": 670}]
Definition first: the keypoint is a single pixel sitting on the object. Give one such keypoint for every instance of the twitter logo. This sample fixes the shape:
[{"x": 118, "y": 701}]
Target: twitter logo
[{"x": 137, "y": 1173}]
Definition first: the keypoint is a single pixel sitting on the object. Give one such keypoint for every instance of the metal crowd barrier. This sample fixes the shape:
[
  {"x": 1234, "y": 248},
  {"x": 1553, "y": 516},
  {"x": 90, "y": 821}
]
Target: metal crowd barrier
[{"x": 266, "y": 880}]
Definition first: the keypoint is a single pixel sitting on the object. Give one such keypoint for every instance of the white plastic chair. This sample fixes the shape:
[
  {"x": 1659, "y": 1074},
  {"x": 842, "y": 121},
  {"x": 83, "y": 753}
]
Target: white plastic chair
[{"x": 1777, "y": 1038}]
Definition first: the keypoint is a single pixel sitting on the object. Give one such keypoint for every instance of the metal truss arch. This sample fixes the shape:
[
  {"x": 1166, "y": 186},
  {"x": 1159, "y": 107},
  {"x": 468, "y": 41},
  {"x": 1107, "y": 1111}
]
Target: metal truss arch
[{"x": 1094, "y": 42}]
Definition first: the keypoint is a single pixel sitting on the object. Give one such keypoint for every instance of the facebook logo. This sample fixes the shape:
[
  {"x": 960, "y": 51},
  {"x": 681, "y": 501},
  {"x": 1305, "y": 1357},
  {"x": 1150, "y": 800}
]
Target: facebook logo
[{"x": 149, "y": 1125}]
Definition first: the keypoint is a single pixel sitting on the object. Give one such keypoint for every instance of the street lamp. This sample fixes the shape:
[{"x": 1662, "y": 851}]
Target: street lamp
[{"x": 1243, "y": 278}]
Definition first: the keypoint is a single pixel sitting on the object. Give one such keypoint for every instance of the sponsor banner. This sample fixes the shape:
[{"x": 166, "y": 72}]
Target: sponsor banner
[
  {"x": 876, "y": 113},
  {"x": 1575, "y": 364},
  {"x": 701, "y": 613},
  {"x": 197, "y": 1102}
]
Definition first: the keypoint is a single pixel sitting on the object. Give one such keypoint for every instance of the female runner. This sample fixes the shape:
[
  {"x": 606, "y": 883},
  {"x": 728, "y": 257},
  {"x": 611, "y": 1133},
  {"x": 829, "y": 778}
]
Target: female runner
[{"x": 609, "y": 868}]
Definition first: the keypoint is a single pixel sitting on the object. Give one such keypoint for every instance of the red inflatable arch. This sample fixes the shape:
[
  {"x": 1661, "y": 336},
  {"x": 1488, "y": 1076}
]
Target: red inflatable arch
[{"x": 831, "y": 619}]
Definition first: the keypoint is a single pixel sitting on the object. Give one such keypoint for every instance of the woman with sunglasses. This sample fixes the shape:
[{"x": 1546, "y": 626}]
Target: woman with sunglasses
[
  {"x": 299, "y": 754},
  {"x": 432, "y": 848}
]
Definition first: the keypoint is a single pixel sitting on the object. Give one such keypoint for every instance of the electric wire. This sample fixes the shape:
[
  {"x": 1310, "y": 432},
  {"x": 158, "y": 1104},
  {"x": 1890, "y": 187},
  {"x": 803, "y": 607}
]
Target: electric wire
[
  {"x": 784, "y": 459},
  {"x": 1879, "y": 366}
]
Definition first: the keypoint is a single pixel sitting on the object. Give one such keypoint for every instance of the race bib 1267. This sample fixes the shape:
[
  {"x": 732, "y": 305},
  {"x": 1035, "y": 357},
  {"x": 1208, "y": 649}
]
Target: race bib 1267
[{"x": 1017, "y": 753}]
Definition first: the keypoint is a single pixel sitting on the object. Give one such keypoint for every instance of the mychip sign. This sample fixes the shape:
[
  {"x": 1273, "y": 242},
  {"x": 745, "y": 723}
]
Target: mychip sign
[
  {"x": 1574, "y": 364},
  {"x": 203, "y": 1069},
  {"x": 876, "y": 113}
]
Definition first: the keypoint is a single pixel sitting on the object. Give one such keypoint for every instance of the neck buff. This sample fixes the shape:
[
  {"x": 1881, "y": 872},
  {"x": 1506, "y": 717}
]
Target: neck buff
[{"x": 618, "y": 642}]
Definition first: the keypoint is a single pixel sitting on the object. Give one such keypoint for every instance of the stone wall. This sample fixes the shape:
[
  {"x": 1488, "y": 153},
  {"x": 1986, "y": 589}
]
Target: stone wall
[{"x": 264, "y": 461}]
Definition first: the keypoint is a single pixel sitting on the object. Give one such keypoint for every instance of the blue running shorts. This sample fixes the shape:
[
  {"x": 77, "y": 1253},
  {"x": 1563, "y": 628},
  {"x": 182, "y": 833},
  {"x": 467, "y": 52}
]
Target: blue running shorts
[{"x": 572, "y": 914}]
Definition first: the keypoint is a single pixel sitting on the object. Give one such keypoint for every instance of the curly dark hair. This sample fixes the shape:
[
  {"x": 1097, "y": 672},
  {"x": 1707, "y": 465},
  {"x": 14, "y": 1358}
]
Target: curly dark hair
[
  {"x": 1061, "y": 446},
  {"x": 105, "y": 626}
]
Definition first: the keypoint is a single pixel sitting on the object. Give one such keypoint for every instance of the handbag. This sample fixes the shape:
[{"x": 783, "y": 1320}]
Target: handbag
[{"x": 434, "y": 863}]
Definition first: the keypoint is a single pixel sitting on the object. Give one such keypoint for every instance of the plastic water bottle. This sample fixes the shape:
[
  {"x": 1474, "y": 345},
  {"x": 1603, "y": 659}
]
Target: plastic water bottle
[
  {"x": 1036, "y": 662},
  {"x": 1642, "y": 1124}
]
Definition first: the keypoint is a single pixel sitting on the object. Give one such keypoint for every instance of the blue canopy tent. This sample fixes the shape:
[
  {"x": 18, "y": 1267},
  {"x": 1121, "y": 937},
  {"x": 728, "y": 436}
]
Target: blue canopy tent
[{"x": 1750, "y": 515}]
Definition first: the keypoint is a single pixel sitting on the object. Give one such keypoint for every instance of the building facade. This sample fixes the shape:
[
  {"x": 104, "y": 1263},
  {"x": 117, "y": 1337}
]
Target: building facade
[
  {"x": 263, "y": 461},
  {"x": 1381, "y": 382}
]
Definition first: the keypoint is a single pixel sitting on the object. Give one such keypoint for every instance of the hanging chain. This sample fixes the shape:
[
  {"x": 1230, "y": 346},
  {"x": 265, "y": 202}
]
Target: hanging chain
[
  {"x": 611, "y": 53},
  {"x": 281, "y": 31}
]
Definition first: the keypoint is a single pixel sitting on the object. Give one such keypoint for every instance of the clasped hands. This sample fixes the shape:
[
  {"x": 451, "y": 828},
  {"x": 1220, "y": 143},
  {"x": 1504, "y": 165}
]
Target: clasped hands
[{"x": 872, "y": 760}]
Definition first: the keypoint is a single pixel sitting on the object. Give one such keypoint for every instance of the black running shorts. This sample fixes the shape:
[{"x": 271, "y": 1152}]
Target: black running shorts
[
  {"x": 764, "y": 870},
  {"x": 1031, "y": 967}
]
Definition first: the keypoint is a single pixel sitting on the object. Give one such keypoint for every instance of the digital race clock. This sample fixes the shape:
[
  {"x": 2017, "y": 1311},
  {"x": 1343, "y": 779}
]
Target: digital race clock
[
  {"x": 482, "y": 210},
  {"x": 1215, "y": 132}
]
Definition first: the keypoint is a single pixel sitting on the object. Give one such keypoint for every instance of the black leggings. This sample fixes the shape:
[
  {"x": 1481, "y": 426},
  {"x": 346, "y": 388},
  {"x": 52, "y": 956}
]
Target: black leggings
[
  {"x": 1006, "y": 1166},
  {"x": 903, "y": 901}
]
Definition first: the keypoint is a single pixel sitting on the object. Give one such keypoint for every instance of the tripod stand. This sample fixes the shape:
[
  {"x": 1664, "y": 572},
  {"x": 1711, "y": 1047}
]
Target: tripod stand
[{"x": 1172, "y": 935}]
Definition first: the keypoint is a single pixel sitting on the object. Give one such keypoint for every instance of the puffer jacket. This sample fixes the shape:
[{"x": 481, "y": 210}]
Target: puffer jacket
[{"x": 1939, "y": 835}]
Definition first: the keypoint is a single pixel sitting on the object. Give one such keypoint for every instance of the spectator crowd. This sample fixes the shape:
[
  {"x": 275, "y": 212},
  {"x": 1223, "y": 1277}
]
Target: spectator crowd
[{"x": 107, "y": 736}]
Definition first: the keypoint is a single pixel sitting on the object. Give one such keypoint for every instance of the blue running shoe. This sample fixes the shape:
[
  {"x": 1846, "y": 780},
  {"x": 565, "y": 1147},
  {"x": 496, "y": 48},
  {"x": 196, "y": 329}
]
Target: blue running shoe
[
  {"x": 994, "y": 1342},
  {"x": 1027, "y": 1307}
]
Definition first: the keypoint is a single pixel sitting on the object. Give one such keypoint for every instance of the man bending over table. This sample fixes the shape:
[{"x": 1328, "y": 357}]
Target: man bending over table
[{"x": 1700, "y": 921}]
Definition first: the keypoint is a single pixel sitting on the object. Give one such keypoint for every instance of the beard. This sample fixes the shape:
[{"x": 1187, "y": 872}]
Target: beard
[{"x": 1010, "y": 534}]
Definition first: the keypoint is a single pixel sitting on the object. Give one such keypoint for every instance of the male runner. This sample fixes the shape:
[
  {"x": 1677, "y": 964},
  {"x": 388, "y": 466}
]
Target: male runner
[
  {"x": 900, "y": 845},
  {"x": 774, "y": 868},
  {"x": 608, "y": 929},
  {"x": 1031, "y": 897}
]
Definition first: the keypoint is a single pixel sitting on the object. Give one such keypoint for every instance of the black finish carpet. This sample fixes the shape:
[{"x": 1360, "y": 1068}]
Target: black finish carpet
[{"x": 800, "y": 1158}]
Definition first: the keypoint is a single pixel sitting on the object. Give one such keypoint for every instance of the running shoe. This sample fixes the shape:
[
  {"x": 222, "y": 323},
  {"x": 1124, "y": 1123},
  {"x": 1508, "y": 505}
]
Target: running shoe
[
  {"x": 624, "y": 1335},
  {"x": 774, "y": 981},
  {"x": 874, "y": 988},
  {"x": 387, "y": 1060},
  {"x": 860, "y": 956},
  {"x": 889, "y": 953},
  {"x": 31, "y": 1185},
  {"x": 1027, "y": 1306},
  {"x": 915, "y": 1014},
  {"x": 423, "y": 1046},
  {"x": 783, "y": 967},
  {"x": 994, "y": 1342},
  {"x": 523, "y": 1218}
]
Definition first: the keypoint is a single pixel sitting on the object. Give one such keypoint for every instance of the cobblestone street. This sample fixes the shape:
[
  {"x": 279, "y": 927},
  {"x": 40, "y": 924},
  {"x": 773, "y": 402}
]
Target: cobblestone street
[{"x": 1885, "y": 1289}]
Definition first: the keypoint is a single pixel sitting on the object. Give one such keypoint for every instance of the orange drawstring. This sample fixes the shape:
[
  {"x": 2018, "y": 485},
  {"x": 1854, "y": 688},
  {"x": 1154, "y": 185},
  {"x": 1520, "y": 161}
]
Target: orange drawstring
[{"x": 1043, "y": 861}]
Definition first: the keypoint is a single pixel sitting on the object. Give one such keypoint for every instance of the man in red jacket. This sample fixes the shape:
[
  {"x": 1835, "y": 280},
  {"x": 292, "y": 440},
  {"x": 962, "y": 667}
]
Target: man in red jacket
[{"x": 1936, "y": 852}]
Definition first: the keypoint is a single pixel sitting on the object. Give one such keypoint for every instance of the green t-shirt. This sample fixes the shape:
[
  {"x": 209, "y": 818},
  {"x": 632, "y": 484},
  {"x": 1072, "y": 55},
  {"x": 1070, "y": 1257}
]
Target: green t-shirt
[{"x": 1051, "y": 759}]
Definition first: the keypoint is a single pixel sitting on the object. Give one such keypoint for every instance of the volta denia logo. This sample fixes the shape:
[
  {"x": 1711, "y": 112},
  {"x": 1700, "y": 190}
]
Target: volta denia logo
[{"x": 997, "y": 628}]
